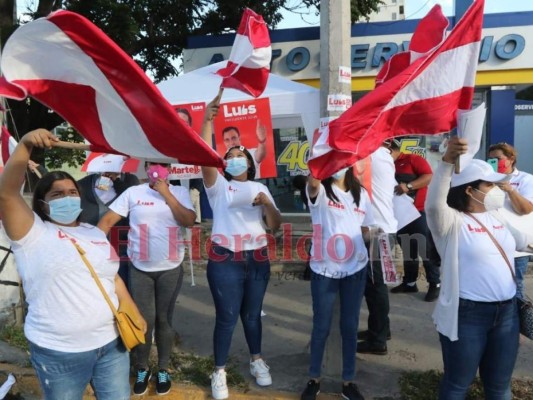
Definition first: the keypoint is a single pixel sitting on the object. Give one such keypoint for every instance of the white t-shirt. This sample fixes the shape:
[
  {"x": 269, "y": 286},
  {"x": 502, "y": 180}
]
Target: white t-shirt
[
  {"x": 256, "y": 164},
  {"x": 237, "y": 224},
  {"x": 483, "y": 273},
  {"x": 67, "y": 311},
  {"x": 383, "y": 184},
  {"x": 156, "y": 242},
  {"x": 338, "y": 248},
  {"x": 522, "y": 182}
]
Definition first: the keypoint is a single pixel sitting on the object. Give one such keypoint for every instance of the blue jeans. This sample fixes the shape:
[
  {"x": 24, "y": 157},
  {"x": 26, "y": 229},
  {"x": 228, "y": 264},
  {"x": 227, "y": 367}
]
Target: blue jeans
[
  {"x": 238, "y": 283},
  {"x": 488, "y": 340},
  {"x": 324, "y": 292},
  {"x": 64, "y": 376},
  {"x": 520, "y": 266}
]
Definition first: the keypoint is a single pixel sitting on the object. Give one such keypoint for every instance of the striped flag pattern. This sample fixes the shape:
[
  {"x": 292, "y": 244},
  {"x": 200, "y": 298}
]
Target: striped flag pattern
[
  {"x": 249, "y": 61},
  {"x": 417, "y": 92},
  {"x": 71, "y": 66}
]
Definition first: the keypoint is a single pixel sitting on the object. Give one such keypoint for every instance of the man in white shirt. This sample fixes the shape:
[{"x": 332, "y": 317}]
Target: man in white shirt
[{"x": 376, "y": 292}]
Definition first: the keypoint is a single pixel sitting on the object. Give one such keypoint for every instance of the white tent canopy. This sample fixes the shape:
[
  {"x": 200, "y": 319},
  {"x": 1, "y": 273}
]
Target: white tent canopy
[{"x": 292, "y": 104}]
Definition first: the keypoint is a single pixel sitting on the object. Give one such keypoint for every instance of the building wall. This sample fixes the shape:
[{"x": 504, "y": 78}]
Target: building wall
[{"x": 391, "y": 10}]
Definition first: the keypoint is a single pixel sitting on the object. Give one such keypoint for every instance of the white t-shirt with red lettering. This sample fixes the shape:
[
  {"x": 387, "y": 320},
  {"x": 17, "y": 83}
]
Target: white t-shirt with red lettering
[
  {"x": 67, "y": 311},
  {"x": 156, "y": 242},
  {"x": 237, "y": 223},
  {"x": 483, "y": 272},
  {"x": 338, "y": 247}
]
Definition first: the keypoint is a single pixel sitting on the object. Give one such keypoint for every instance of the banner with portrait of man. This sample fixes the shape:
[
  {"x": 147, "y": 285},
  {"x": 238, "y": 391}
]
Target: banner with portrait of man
[
  {"x": 248, "y": 123},
  {"x": 193, "y": 115}
]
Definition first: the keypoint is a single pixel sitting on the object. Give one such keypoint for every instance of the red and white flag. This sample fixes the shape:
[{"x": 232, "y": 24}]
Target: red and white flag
[
  {"x": 417, "y": 92},
  {"x": 249, "y": 61},
  {"x": 71, "y": 66},
  {"x": 8, "y": 145}
]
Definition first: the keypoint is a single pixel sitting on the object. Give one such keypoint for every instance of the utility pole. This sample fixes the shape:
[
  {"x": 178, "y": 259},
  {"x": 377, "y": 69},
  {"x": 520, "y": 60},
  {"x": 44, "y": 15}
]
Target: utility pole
[{"x": 335, "y": 98}]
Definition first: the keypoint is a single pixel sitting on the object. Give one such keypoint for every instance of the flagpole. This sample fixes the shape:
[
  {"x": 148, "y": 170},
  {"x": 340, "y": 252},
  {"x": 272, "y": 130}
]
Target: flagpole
[{"x": 72, "y": 145}]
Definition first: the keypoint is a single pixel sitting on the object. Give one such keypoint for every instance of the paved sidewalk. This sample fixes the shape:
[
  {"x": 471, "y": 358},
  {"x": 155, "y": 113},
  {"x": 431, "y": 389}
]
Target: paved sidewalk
[{"x": 286, "y": 333}]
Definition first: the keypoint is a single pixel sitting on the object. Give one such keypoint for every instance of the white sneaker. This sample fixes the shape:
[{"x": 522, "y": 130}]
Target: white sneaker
[
  {"x": 219, "y": 388},
  {"x": 259, "y": 371}
]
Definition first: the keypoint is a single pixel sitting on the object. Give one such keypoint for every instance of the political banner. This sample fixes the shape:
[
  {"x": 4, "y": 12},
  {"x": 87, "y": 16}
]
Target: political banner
[
  {"x": 193, "y": 115},
  {"x": 248, "y": 123}
]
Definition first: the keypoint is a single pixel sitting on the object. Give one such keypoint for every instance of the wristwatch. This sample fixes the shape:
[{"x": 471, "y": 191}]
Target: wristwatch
[{"x": 409, "y": 186}]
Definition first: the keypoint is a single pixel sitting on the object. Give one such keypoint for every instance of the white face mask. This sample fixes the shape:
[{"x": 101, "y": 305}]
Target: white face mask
[
  {"x": 340, "y": 174},
  {"x": 494, "y": 198}
]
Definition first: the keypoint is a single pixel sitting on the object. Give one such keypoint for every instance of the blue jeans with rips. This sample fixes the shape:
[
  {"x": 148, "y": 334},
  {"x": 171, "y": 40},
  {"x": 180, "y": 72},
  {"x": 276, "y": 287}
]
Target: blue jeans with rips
[
  {"x": 324, "y": 292},
  {"x": 238, "y": 283},
  {"x": 64, "y": 376},
  {"x": 488, "y": 340}
]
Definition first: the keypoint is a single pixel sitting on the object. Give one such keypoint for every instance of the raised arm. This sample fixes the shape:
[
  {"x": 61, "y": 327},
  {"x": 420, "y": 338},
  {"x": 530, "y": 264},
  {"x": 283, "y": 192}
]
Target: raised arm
[
  {"x": 440, "y": 216},
  {"x": 520, "y": 204},
  {"x": 313, "y": 187},
  {"x": 210, "y": 173},
  {"x": 261, "y": 133},
  {"x": 17, "y": 216}
]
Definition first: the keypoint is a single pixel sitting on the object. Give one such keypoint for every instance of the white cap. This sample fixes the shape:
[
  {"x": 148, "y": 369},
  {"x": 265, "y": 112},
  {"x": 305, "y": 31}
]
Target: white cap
[{"x": 477, "y": 170}]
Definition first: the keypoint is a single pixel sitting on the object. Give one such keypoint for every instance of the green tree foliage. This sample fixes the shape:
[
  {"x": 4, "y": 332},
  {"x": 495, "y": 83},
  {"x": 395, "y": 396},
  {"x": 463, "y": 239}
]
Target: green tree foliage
[{"x": 153, "y": 32}]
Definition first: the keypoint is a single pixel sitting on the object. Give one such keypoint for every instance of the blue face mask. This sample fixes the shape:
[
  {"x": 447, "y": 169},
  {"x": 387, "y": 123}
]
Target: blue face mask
[
  {"x": 339, "y": 174},
  {"x": 237, "y": 165},
  {"x": 65, "y": 210}
]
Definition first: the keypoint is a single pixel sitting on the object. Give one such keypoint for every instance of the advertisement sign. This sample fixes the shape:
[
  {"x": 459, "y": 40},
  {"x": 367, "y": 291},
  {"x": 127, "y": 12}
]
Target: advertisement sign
[
  {"x": 193, "y": 115},
  {"x": 247, "y": 123}
]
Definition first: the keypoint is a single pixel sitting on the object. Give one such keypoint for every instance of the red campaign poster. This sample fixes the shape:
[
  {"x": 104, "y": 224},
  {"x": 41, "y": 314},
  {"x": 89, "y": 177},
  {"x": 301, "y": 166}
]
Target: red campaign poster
[
  {"x": 193, "y": 114},
  {"x": 248, "y": 123}
]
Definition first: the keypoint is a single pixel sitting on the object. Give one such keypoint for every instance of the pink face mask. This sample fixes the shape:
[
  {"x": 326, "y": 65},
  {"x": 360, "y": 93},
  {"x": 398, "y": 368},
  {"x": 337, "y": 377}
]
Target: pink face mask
[
  {"x": 156, "y": 172},
  {"x": 502, "y": 166}
]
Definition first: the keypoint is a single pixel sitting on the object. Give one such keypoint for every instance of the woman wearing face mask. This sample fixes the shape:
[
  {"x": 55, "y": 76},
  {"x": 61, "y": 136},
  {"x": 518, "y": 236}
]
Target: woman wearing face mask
[
  {"x": 70, "y": 327},
  {"x": 156, "y": 212},
  {"x": 341, "y": 211},
  {"x": 476, "y": 314},
  {"x": 519, "y": 197},
  {"x": 238, "y": 269}
]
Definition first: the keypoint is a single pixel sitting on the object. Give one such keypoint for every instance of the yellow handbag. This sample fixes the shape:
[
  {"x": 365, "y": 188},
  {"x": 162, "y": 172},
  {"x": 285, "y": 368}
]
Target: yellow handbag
[{"x": 127, "y": 317}]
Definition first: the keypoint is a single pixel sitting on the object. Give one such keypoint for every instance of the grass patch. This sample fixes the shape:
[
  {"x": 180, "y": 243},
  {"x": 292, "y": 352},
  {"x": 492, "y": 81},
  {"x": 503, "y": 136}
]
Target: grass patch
[
  {"x": 424, "y": 385},
  {"x": 195, "y": 370},
  {"x": 14, "y": 336}
]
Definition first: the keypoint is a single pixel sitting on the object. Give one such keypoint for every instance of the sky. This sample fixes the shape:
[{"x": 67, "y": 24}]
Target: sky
[{"x": 415, "y": 9}]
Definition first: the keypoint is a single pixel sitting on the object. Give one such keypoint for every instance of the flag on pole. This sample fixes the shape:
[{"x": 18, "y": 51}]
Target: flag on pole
[
  {"x": 8, "y": 144},
  {"x": 417, "y": 92},
  {"x": 249, "y": 61},
  {"x": 71, "y": 66}
]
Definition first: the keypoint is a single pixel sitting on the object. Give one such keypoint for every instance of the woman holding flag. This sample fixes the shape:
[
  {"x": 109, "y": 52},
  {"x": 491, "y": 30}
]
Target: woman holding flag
[
  {"x": 341, "y": 210},
  {"x": 238, "y": 269},
  {"x": 71, "y": 330}
]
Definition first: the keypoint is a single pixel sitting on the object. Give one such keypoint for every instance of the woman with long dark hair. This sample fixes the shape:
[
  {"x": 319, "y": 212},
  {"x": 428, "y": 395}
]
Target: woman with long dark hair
[
  {"x": 340, "y": 211},
  {"x": 238, "y": 269},
  {"x": 70, "y": 327}
]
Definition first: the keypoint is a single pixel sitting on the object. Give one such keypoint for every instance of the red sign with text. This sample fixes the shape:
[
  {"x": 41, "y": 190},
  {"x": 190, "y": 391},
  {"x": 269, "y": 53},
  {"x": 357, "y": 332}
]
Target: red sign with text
[
  {"x": 192, "y": 114},
  {"x": 249, "y": 124}
]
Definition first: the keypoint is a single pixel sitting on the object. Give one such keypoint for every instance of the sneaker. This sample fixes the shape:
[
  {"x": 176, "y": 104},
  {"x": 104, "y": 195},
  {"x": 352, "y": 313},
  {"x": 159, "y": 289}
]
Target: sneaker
[
  {"x": 351, "y": 392},
  {"x": 141, "y": 383},
  {"x": 365, "y": 347},
  {"x": 363, "y": 335},
  {"x": 219, "y": 387},
  {"x": 163, "y": 382},
  {"x": 259, "y": 371},
  {"x": 311, "y": 391},
  {"x": 405, "y": 288},
  {"x": 433, "y": 292}
]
